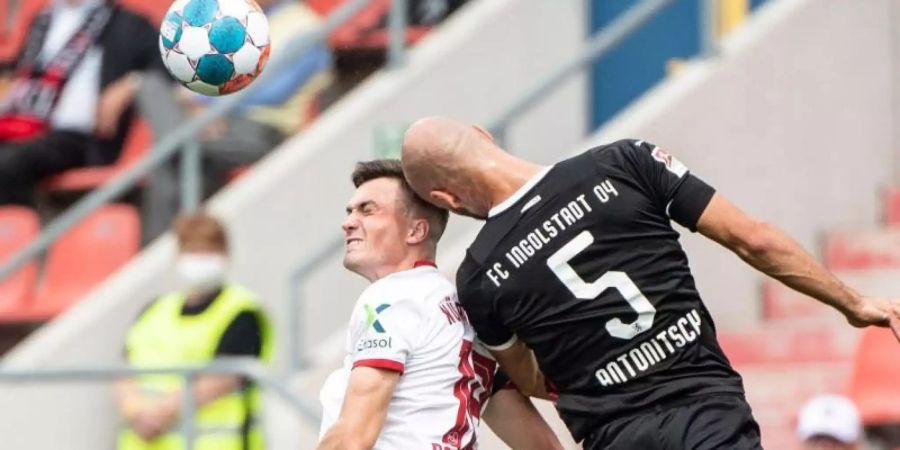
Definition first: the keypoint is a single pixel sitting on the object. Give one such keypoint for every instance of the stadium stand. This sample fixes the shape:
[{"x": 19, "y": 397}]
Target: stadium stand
[
  {"x": 135, "y": 147},
  {"x": 111, "y": 236},
  {"x": 18, "y": 225}
]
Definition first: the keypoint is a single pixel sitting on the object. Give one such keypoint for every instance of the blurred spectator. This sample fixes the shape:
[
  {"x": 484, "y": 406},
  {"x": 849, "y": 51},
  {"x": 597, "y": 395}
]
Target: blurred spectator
[
  {"x": 70, "y": 89},
  {"x": 208, "y": 318},
  {"x": 431, "y": 12},
  {"x": 829, "y": 422},
  {"x": 284, "y": 105}
]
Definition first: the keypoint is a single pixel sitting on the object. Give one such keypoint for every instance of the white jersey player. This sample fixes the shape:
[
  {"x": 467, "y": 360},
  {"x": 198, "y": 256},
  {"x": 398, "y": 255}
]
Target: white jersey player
[{"x": 412, "y": 378}]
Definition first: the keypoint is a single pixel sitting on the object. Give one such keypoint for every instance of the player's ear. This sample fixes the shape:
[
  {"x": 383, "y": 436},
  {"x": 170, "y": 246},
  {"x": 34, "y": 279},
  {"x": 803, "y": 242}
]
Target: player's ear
[
  {"x": 418, "y": 232},
  {"x": 484, "y": 132},
  {"x": 444, "y": 199}
]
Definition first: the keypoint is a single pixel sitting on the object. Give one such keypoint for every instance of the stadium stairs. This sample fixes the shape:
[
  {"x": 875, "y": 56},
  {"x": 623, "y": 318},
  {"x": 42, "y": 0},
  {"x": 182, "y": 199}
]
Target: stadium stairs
[{"x": 803, "y": 147}]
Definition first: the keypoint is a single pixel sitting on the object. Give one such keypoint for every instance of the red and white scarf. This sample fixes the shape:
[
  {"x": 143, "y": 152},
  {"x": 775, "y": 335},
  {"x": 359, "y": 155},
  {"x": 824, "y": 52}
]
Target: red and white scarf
[{"x": 36, "y": 87}]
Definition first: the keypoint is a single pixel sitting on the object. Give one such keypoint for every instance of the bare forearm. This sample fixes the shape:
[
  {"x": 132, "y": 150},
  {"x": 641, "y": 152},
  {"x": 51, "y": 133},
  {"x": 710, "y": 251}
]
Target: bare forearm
[
  {"x": 339, "y": 438},
  {"x": 128, "y": 398},
  {"x": 210, "y": 387},
  {"x": 778, "y": 255}
]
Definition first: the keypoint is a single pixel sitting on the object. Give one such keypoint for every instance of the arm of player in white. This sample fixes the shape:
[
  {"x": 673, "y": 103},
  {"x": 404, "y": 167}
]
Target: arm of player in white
[
  {"x": 518, "y": 361},
  {"x": 776, "y": 254},
  {"x": 515, "y": 420},
  {"x": 364, "y": 410}
]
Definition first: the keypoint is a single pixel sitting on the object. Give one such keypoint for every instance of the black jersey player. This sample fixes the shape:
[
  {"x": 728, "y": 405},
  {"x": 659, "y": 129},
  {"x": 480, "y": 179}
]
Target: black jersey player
[{"x": 579, "y": 272}]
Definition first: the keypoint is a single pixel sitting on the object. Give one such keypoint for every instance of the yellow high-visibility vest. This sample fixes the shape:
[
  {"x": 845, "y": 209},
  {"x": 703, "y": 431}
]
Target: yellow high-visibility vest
[{"x": 163, "y": 337}]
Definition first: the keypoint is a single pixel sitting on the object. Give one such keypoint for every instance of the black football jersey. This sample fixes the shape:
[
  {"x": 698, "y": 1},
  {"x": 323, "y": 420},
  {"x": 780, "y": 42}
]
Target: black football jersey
[{"x": 583, "y": 265}]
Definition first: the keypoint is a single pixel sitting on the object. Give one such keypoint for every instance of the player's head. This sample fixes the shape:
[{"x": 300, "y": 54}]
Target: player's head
[
  {"x": 202, "y": 250},
  {"x": 446, "y": 162},
  {"x": 388, "y": 226},
  {"x": 829, "y": 422}
]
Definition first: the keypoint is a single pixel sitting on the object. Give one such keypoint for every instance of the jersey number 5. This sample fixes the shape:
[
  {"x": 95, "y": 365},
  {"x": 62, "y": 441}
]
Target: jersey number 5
[{"x": 559, "y": 264}]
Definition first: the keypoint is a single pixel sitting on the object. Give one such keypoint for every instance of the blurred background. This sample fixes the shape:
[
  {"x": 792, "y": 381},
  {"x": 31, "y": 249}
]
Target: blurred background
[{"x": 788, "y": 107}]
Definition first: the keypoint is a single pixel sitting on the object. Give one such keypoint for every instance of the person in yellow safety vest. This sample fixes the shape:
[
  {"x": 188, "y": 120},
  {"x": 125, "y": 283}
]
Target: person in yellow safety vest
[{"x": 207, "y": 319}]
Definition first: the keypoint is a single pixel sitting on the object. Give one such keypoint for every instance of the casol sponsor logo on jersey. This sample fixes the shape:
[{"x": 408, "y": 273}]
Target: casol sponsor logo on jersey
[
  {"x": 550, "y": 228},
  {"x": 373, "y": 344},
  {"x": 651, "y": 352},
  {"x": 372, "y": 316}
]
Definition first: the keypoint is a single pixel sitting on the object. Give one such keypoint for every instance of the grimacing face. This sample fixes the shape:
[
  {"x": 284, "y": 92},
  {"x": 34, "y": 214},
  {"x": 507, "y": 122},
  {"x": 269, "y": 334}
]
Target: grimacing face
[{"x": 376, "y": 226}]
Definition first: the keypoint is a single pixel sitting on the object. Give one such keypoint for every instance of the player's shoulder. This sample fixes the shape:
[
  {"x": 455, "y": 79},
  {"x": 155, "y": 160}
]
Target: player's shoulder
[
  {"x": 621, "y": 149},
  {"x": 414, "y": 286}
]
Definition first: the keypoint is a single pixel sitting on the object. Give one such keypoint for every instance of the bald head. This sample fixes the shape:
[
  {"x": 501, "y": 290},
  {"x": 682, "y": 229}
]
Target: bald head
[
  {"x": 438, "y": 152},
  {"x": 445, "y": 155}
]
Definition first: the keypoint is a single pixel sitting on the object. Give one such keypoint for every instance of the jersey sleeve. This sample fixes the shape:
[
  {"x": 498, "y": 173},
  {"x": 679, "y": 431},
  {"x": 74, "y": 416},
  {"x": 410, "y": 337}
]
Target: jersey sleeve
[
  {"x": 480, "y": 307},
  {"x": 683, "y": 196},
  {"x": 387, "y": 333}
]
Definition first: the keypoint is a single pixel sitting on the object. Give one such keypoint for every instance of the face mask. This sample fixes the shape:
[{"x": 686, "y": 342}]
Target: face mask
[{"x": 201, "y": 270}]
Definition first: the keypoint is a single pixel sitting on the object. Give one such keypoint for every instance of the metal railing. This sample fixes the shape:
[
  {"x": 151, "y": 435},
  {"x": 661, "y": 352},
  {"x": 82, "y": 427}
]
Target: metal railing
[
  {"x": 598, "y": 45},
  {"x": 244, "y": 367},
  {"x": 182, "y": 140}
]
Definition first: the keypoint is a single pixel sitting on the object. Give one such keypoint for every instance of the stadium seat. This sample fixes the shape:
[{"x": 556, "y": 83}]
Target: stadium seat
[
  {"x": 874, "y": 384},
  {"x": 892, "y": 206},
  {"x": 84, "y": 257},
  {"x": 136, "y": 146},
  {"x": 789, "y": 343},
  {"x": 781, "y": 303},
  {"x": 360, "y": 31},
  {"x": 18, "y": 226},
  {"x": 863, "y": 249},
  {"x": 154, "y": 10},
  {"x": 15, "y": 35}
]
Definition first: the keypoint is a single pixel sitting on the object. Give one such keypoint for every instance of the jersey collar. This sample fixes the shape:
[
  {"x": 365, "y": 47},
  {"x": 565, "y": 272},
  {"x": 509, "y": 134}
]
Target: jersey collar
[{"x": 512, "y": 199}]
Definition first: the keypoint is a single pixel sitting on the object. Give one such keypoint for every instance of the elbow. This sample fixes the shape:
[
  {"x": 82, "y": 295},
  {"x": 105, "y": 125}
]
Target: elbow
[{"x": 757, "y": 242}]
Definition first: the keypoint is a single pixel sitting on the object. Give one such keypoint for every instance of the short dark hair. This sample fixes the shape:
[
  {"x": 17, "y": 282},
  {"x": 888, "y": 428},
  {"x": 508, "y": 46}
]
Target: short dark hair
[{"x": 366, "y": 171}]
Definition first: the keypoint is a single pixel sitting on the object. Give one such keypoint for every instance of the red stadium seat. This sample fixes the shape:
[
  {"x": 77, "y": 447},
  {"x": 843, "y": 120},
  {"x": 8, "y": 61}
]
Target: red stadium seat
[
  {"x": 892, "y": 207},
  {"x": 360, "y": 31},
  {"x": 863, "y": 249},
  {"x": 323, "y": 7},
  {"x": 15, "y": 36},
  {"x": 18, "y": 226},
  {"x": 874, "y": 386},
  {"x": 789, "y": 343},
  {"x": 87, "y": 178},
  {"x": 85, "y": 256},
  {"x": 781, "y": 303}
]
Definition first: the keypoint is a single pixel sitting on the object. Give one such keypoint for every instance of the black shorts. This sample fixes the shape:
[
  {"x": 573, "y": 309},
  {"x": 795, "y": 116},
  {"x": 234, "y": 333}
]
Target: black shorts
[{"x": 709, "y": 423}]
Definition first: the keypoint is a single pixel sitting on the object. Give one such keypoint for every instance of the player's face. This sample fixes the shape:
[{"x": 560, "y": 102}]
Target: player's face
[{"x": 376, "y": 228}]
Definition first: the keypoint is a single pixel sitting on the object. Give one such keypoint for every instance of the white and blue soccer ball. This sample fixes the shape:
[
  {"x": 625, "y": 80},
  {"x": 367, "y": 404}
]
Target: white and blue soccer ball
[{"x": 214, "y": 47}]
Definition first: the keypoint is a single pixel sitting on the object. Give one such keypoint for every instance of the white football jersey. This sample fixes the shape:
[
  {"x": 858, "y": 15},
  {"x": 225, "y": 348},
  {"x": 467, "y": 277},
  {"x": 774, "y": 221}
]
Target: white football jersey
[{"x": 411, "y": 322}]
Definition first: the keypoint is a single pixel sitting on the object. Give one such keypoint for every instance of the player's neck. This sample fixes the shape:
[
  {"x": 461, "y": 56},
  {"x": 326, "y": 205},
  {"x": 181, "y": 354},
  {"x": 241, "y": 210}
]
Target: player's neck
[
  {"x": 506, "y": 178},
  {"x": 410, "y": 261}
]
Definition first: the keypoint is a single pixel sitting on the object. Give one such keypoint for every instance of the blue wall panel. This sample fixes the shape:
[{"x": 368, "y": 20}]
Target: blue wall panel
[{"x": 640, "y": 61}]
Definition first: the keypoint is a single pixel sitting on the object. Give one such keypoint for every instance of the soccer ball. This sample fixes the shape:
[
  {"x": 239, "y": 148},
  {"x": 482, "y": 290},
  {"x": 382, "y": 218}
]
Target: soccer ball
[{"x": 214, "y": 47}]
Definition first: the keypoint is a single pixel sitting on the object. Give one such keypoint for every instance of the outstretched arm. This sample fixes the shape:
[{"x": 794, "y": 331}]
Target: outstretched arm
[
  {"x": 776, "y": 254},
  {"x": 515, "y": 420},
  {"x": 364, "y": 410}
]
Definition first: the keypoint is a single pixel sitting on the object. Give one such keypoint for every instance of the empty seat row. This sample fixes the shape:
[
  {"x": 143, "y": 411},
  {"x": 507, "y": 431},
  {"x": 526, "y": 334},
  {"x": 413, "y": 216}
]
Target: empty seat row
[{"x": 74, "y": 264}]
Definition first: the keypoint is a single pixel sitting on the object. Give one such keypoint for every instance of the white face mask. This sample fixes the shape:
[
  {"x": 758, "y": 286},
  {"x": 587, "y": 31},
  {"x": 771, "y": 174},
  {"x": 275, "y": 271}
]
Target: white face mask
[{"x": 201, "y": 270}]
